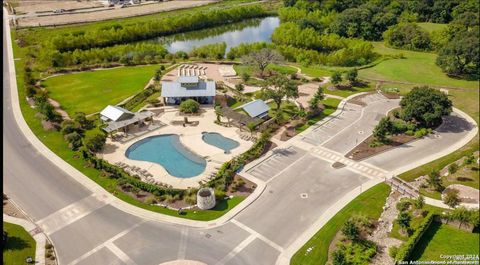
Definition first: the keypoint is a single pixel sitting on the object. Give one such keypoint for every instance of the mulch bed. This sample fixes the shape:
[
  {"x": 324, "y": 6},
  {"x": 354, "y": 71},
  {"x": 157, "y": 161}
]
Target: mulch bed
[
  {"x": 363, "y": 150},
  {"x": 243, "y": 191}
]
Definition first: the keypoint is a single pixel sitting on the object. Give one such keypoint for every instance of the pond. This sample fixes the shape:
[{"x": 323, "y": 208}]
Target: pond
[{"x": 248, "y": 31}]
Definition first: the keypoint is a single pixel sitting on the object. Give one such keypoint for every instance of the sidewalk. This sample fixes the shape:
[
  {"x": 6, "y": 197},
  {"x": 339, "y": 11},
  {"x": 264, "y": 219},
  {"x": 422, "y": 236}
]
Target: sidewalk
[{"x": 32, "y": 229}]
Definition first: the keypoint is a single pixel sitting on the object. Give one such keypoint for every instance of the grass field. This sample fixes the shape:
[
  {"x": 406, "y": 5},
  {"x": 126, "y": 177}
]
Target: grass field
[
  {"x": 442, "y": 239},
  {"x": 369, "y": 204},
  {"x": 417, "y": 67},
  {"x": 348, "y": 92},
  {"x": 19, "y": 246},
  {"x": 92, "y": 91},
  {"x": 430, "y": 27}
]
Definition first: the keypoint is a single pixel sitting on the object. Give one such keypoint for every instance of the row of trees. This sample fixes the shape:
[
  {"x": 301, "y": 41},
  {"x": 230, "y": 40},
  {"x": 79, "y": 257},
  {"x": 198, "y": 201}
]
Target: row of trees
[
  {"x": 215, "y": 51},
  {"x": 121, "y": 34},
  {"x": 129, "y": 54}
]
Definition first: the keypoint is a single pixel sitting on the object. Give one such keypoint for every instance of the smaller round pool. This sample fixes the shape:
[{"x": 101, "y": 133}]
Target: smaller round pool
[{"x": 220, "y": 141}]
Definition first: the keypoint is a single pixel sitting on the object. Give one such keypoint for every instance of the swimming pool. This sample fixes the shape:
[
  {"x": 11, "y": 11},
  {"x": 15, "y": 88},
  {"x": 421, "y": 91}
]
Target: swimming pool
[
  {"x": 219, "y": 141},
  {"x": 169, "y": 152}
]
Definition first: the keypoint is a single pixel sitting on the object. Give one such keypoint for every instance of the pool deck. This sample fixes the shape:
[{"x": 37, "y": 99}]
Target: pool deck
[{"x": 190, "y": 137}]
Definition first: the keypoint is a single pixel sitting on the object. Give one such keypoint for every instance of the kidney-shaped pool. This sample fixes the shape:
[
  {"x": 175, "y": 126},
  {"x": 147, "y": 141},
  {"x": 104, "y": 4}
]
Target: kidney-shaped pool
[{"x": 169, "y": 152}]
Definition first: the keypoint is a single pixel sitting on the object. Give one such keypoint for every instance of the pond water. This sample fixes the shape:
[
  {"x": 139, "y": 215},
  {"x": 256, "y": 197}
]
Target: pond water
[{"x": 252, "y": 30}]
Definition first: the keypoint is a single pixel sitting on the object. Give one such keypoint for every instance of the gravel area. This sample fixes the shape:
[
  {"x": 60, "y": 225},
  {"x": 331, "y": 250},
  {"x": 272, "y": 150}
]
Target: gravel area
[{"x": 385, "y": 225}]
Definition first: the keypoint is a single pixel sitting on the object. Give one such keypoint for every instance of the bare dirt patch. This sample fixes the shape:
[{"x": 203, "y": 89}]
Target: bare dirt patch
[
  {"x": 364, "y": 150},
  {"x": 49, "y": 5},
  {"x": 82, "y": 17}
]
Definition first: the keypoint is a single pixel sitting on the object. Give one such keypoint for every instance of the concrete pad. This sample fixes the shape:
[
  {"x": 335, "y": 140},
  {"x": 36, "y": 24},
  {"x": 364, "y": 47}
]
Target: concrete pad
[
  {"x": 257, "y": 252},
  {"x": 103, "y": 256},
  {"x": 151, "y": 243},
  {"x": 103, "y": 224},
  {"x": 281, "y": 214}
]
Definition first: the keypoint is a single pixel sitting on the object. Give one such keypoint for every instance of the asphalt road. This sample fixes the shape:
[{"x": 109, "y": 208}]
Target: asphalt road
[{"x": 301, "y": 185}]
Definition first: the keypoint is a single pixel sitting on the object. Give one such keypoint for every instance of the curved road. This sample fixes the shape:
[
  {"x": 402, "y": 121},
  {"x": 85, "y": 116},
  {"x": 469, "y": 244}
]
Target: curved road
[{"x": 302, "y": 192}]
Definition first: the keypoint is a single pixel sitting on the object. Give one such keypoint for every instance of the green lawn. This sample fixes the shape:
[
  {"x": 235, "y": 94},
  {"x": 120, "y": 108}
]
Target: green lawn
[
  {"x": 92, "y": 91},
  {"x": 417, "y": 67},
  {"x": 19, "y": 246},
  {"x": 430, "y": 27},
  {"x": 369, "y": 204},
  {"x": 330, "y": 107},
  {"x": 442, "y": 239}
]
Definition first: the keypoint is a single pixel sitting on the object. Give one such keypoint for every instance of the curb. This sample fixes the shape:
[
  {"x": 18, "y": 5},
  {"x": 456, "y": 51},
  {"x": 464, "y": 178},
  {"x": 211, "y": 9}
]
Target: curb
[{"x": 30, "y": 227}]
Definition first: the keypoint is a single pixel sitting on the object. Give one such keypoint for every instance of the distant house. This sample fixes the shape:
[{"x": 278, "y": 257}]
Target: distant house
[
  {"x": 188, "y": 87},
  {"x": 256, "y": 109},
  {"x": 118, "y": 118}
]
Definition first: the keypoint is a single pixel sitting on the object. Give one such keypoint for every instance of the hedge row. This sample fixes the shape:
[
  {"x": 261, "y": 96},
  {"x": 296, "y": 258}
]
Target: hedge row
[
  {"x": 406, "y": 249},
  {"x": 139, "y": 98}
]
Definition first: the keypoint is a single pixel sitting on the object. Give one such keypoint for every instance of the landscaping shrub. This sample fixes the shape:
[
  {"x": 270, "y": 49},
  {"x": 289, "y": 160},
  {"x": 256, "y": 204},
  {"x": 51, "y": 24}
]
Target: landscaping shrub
[
  {"x": 452, "y": 168},
  {"x": 406, "y": 249},
  {"x": 95, "y": 142},
  {"x": 139, "y": 98},
  {"x": 403, "y": 205},
  {"x": 189, "y": 106},
  {"x": 392, "y": 251},
  {"x": 215, "y": 51}
]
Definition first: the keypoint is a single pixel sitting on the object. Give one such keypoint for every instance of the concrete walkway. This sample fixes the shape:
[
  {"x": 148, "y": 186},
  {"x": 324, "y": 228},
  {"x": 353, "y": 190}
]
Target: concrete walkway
[{"x": 33, "y": 230}]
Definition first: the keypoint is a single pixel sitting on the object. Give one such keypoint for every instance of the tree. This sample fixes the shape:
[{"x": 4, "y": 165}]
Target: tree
[
  {"x": 218, "y": 112},
  {"x": 461, "y": 56},
  {"x": 74, "y": 140},
  {"x": 245, "y": 76},
  {"x": 426, "y": 106},
  {"x": 451, "y": 198},
  {"x": 251, "y": 127},
  {"x": 352, "y": 75},
  {"x": 279, "y": 87},
  {"x": 419, "y": 202},
  {"x": 435, "y": 181},
  {"x": 407, "y": 36},
  {"x": 350, "y": 230},
  {"x": 158, "y": 75},
  {"x": 189, "y": 106},
  {"x": 336, "y": 78},
  {"x": 239, "y": 88},
  {"x": 383, "y": 128},
  {"x": 262, "y": 58},
  {"x": 403, "y": 220},
  {"x": 95, "y": 142},
  {"x": 81, "y": 118},
  {"x": 315, "y": 100}
]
